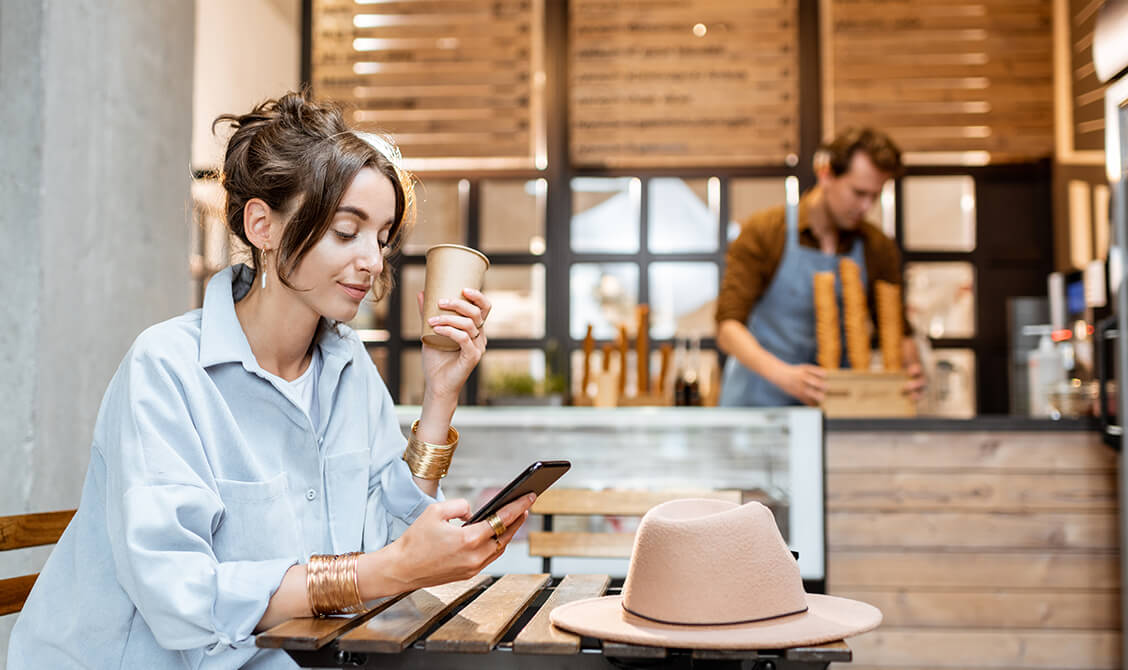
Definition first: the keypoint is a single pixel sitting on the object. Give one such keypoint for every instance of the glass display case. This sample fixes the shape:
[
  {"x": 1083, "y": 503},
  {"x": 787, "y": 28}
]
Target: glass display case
[{"x": 772, "y": 455}]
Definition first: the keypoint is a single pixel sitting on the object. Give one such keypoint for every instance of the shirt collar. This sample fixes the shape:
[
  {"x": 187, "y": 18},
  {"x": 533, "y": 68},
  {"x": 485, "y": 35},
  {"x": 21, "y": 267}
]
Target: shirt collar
[
  {"x": 222, "y": 339},
  {"x": 845, "y": 237}
]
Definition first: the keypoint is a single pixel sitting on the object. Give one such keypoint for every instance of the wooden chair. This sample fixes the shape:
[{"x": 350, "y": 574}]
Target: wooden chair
[
  {"x": 27, "y": 530},
  {"x": 548, "y": 543}
]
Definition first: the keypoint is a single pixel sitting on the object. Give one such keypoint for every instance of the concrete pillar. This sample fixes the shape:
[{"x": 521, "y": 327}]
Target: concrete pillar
[{"x": 96, "y": 125}]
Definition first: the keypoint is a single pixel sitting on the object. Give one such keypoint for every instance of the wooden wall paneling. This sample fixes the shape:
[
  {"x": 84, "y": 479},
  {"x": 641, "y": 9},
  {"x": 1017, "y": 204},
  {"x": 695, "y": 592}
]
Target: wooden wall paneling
[
  {"x": 456, "y": 84},
  {"x": 646, "y": 90},
  {"x": 896, "y": 65}
]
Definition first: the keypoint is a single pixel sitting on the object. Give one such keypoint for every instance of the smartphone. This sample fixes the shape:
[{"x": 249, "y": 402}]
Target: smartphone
[{"x": 535, "y": 479}]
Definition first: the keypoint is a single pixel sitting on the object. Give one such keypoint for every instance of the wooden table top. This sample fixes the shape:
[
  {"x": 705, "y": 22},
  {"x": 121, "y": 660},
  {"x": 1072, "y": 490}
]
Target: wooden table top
[{"x": 507, "y": 615}]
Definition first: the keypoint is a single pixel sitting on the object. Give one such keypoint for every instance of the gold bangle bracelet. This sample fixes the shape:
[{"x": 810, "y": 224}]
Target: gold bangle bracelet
[
  {"x": 427, "y": 460},
  {"x": 333, "y": 584}
]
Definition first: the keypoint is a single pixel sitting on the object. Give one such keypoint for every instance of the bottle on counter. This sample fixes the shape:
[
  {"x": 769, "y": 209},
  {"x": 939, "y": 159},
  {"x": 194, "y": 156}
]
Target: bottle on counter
[
  {"x": 1045, "y": 369},
  {"x": 687, "y": 392}
]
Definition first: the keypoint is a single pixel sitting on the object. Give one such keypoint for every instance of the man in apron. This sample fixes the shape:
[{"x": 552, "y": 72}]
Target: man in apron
[{"x": 765, "y": 310}]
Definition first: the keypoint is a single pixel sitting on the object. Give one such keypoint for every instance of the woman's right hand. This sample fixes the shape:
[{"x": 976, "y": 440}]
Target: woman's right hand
[{"x": 433, "y": 551}]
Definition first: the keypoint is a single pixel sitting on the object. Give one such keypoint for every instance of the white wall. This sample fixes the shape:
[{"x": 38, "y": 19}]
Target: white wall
[{"x": 246, "y": 52}]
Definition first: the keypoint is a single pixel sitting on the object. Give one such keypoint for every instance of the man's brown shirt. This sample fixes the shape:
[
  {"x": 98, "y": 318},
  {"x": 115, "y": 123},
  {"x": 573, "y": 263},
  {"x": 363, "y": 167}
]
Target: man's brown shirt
[{"x": 754, "y": 256}]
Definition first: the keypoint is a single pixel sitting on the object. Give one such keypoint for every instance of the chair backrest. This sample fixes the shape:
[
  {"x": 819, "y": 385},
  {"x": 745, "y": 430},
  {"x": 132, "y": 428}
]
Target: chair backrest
[
  {"x": 27, "y": 530},
  {"x": 549, "y": 543}
]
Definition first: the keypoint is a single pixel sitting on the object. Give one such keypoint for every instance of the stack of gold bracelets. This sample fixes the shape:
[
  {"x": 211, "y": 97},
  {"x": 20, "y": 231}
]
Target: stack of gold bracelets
[
  {"x": 332, "y": 582},
  {"x": 426, "y": 460}
]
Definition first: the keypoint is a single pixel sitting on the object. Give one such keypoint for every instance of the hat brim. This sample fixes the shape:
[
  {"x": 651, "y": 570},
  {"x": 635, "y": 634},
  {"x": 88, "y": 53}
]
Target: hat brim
[{"x": 828, "y": 618}]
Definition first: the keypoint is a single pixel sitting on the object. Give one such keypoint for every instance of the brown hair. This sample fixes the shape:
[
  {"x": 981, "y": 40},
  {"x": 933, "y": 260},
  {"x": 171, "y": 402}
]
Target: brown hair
[
  {"x": 296, "y": 153},
  {"x": 880, "y": 148}
]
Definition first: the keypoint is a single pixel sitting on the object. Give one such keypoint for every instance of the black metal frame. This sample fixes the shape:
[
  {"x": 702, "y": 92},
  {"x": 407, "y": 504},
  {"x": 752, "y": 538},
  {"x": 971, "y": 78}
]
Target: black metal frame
[{"x": 992, "y": 184}]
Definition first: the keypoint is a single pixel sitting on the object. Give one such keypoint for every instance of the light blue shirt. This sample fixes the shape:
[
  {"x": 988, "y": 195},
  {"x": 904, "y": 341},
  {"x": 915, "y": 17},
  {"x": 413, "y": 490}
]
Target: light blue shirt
[{"x": 206, "y": 483}]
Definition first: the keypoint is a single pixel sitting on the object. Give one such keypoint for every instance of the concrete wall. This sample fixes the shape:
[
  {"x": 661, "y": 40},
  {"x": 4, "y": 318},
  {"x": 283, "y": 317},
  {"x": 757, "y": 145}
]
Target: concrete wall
[{"x": 96, "y": 112}]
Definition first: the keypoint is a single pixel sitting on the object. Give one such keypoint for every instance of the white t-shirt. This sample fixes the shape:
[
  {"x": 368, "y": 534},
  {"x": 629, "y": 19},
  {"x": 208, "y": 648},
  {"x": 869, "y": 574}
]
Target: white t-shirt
[{"x": 303, "y": 390}]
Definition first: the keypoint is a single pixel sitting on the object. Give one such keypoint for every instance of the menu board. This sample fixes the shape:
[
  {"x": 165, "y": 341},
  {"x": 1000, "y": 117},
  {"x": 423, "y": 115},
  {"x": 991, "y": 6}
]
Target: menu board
[
  {"x": 683, "y": 82},
  {"x": 453, "y": 81},
  {"x": 952, "y": 81}
]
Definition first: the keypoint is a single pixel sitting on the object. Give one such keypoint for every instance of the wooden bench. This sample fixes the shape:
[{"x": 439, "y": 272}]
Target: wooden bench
[
  {"x": 549, "y": 543},
  {"x": 20, "y": 531},
  {"x": 502, "y": 623}
]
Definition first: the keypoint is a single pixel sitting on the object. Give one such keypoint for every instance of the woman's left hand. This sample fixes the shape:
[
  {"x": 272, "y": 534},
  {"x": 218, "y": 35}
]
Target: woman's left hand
[{"x": 445, "y": 372}]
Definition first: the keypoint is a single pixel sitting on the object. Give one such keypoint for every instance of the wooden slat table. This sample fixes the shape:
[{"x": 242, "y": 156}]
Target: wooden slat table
[{"x": 503, "y": 621}]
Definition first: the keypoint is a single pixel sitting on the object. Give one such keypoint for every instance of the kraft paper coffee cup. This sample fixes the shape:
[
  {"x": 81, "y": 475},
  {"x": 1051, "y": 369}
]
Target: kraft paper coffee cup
[{"x": 450, "y": 268}]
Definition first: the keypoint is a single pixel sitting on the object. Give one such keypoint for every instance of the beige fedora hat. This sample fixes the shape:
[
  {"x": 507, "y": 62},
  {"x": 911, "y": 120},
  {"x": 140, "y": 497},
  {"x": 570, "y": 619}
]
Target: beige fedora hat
[{"x": 710, "y": 574}]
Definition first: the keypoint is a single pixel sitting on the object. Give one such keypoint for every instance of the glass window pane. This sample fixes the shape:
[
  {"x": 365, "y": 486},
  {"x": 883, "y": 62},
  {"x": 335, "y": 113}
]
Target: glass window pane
[
  {"x": 410, "y": 284},
  {"x": 517, "y": 294},
  {"x": 371, "y": 320},
  {"x": 939, "y": 213},
  {"x": 439, "y": 218},
  {"x": 683, "y": 299},
  {"x": 681, "y": 217},
  {"x": 382, "y": 360},
  {"x": 519, "y": 376},
  {"x": 411, "y": 378},
  {"x": 605, "y": 214},
  {"x": 940, "y": 299},
  {"x": 748, "y": 196},
  {"x": 512, "y": 216},
  {"x": 603, "y": 295},
  {"x": 951, "y": 383}
]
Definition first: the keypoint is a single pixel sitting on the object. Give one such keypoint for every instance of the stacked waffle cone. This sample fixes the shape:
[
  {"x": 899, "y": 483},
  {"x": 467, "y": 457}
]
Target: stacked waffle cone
[
  {"x": 826, "y": 321},
  {"x": 855, "y": 314},
  {"x": 856, "y": 320},
  {"x": 890, "y": 332}
]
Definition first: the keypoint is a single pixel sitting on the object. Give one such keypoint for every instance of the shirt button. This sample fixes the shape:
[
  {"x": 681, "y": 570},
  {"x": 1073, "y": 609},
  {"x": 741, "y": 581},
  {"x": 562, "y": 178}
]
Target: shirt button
[
  {"x": 311, "y": 494},
  {"x": 320, "y": 441}
]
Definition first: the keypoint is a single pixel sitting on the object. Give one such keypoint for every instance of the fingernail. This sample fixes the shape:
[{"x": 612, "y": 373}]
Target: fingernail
[
  {"x": 433, "y": 320},
  {"x": 444, "y": 301}
]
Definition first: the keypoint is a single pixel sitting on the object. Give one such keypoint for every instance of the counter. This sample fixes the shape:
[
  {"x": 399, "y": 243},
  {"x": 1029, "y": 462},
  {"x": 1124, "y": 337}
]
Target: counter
[{"x": 988, "y": 542}]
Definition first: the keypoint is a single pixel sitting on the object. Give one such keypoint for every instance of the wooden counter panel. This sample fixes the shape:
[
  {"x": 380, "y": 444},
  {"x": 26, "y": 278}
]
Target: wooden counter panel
[
  {"x": 996, "y": 571},
  {"x": 983, "y": 549},
  {"x": 973, "y": 491},
  {"x": 985, "y": 530},
  {"x": 960, "y": 648},
  {"x": 1018, "y": 452},
  {"x": 993, "y": 609}
]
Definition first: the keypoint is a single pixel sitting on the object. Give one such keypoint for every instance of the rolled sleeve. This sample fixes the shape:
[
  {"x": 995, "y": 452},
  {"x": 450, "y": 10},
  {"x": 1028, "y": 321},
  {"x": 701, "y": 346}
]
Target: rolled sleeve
[{"x": 394, "y": 500}]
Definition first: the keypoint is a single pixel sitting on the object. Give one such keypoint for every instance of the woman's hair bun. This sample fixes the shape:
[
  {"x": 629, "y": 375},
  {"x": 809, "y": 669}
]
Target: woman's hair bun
[{"x": 298, "y": 155}]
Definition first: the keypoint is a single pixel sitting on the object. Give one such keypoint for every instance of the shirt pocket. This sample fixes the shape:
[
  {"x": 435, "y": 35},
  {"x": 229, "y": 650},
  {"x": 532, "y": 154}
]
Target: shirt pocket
[
  {"x": 258, "y": 522},
  {"x": 347, "y": 476}
]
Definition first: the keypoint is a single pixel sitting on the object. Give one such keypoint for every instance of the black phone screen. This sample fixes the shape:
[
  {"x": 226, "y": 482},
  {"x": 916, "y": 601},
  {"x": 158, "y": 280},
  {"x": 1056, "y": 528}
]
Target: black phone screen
[{"x": 535, "y": 479}]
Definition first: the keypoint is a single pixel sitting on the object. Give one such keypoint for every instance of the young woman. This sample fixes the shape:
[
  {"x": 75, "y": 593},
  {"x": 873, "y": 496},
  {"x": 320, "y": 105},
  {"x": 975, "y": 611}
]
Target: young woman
[{"x": 247, "y": 466}]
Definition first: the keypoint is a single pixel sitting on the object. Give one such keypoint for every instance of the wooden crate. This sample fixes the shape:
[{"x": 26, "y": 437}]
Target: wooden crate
[{"x": 864, "y": 394}]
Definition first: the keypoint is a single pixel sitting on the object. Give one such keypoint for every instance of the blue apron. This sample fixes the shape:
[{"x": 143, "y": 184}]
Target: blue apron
[{"x": 784, "y": 319}]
